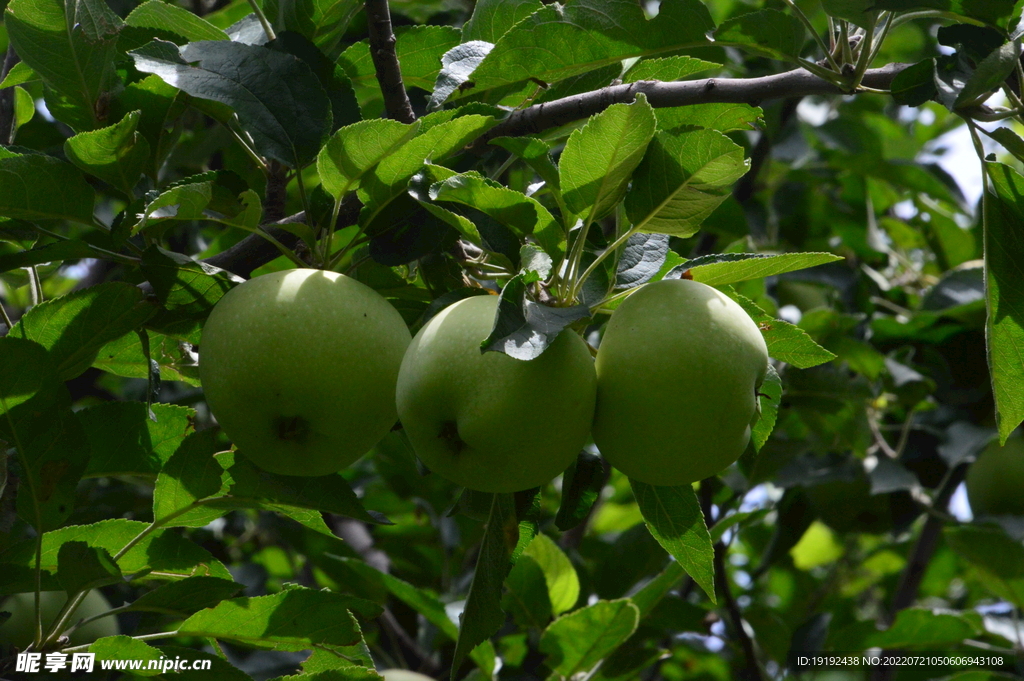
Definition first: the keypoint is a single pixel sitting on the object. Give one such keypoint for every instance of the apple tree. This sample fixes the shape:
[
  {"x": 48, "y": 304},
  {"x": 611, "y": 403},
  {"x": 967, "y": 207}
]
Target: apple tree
[{"x": 844, "y": 176}]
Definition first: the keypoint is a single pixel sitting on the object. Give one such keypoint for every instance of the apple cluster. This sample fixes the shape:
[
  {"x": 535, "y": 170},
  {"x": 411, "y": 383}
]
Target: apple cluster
[{"x": 306, "y": 370}]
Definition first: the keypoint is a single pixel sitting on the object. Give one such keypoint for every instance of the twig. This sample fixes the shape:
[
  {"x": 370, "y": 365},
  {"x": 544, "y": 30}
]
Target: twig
[
  {"x": 255, "y": 250},
  {"x": 385, "y": 61},
  {"x": 795, "y": 83},
  {"x": 355, "y": 534},
  {"x": 752, "y": 672},
  {"x": 920, "y": 556},
  {"x": 7, "y": 99}
]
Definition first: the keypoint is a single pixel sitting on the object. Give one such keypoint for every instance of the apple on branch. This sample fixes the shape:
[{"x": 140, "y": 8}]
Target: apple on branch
[{"x": 300, "y": 366}]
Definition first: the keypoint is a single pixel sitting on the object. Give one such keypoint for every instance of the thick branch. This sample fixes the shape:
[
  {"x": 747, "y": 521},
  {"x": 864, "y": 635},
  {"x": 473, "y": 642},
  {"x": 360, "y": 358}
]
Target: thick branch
[
  {"x": 385, "y": 61},
  {"x": 254, "y": 251},
  {"x": 796, "y": 83}
]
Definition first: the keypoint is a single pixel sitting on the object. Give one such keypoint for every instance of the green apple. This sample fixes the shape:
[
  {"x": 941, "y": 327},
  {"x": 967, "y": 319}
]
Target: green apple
[
  {"x": 403, "y": 675},
  {"x": 299, "y": 367},
  {"x": 995, "y": 482},
  {"x": 678, "y": 370},
  {"x": 19, "y": 630},
  {"x": 487, "y": 421}
]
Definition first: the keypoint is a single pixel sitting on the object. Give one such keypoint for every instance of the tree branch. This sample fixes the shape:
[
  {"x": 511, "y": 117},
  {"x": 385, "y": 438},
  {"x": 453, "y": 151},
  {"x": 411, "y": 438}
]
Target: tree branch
[
  {"x": 385, "y": 61},
  {"x": 796, "y": 83},
  {"x": 254, "y": 251},
  {"x": 920, "y": 556}
]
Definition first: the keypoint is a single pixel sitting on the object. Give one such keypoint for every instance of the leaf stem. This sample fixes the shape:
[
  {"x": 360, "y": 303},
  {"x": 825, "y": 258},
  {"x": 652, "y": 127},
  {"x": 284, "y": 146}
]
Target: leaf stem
[
  {"x": 256, "y": 158},
  {"x": 877, "y": 46},
  {"x": 143, "y": 637},
  {"x": 810, "y": 27},
  {"x": 267, "y": 28},
  {"x": 863, "y": 57},
  {"x": 5, "y": 318},
  {"x": 612, "y": 248},
  {"x": 35, "y": 285}
]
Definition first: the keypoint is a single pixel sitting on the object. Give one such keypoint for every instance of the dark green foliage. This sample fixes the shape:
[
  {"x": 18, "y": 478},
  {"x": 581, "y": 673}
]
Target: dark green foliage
[{"x": 154, "y": 154}]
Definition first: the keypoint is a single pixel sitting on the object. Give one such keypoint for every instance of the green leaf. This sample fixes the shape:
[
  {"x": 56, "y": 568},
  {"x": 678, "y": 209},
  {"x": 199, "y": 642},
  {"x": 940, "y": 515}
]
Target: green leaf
[
  {"x": 482, "y": 616},
  {"x": 537, "y": 154},
  {"x": 1010, "y": 140},
  {"x": 997, "y": 559},
  {"x": 278, "y": 98},
  {"x": 186, "y": 596},
  {"x": 19, "y": 74},
  {"x": 786, "y": 343},
  {"x": 1004, "y": 272},
  {"x": 295, "y": 619},
  {"x": 356, "y": 149},
  {"x": 457, "y": 65},
  {"x": 164, "y": 552},
  {"x": 251, "y": 487},
  {"x": 333, "y": 80},
  {"x": 184, "y": 284},
  {"x": 192, "y": 473},
  {"x": 491, "y": 19},
  {"x": 219, "y": 668},
  {"x": 667, "y": 69},
  {"x": 419, "y": 189},
  {"x": 997, "y": 13},
  {"x": 36, "y": 421},
  {"x": 989, "y": 75},
  {"x": 861, "y": 12},
  {"x": 163, "y": 16},
  {"x": 520, "y": 213},
  {"x": 526, "y": 595},
  {"x": 126, "y": 648},
  {"x": 581, "y": 485},
  {"x": 81, "y": 567},
  {"x": 682, "y": 179},
  {"x": 74, "y": 327},
  {"x": 721, "y": 117},
  {"x": 39, "y": 187},
  {"x": 125, "y": 357},
  {"x": 720, "y": 527},
  {"x": 641, "y": 260},
  {"x": 923, "y": 627},
  {"x": 769, "y": 399},
  {"x": 322, "y": 21},
  {"x": 768, "y": 32},
  {"x": 70, "y": 45},
  {"x": 563, "y": 584},
  {"x": 352, "y": 673},
  {"x": 24, "y": 106},
  {"x": 915, "y": 85},
  {"x": 216, "y": 195},
  {"x": 117, "y": 155},
  {"x": 576, "y": 642},
  {"x": 599, "y": 158},
  {"x": 524, "y": 329},
  {"x": 730, "y": 268},
  {"x": 657, "y": 588},
  {"x": 425, "y": 604},
  {"x": 556, "y": 43},
  {"x": 389, "y": 177},
  {"x": 674, "y": 518}
]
